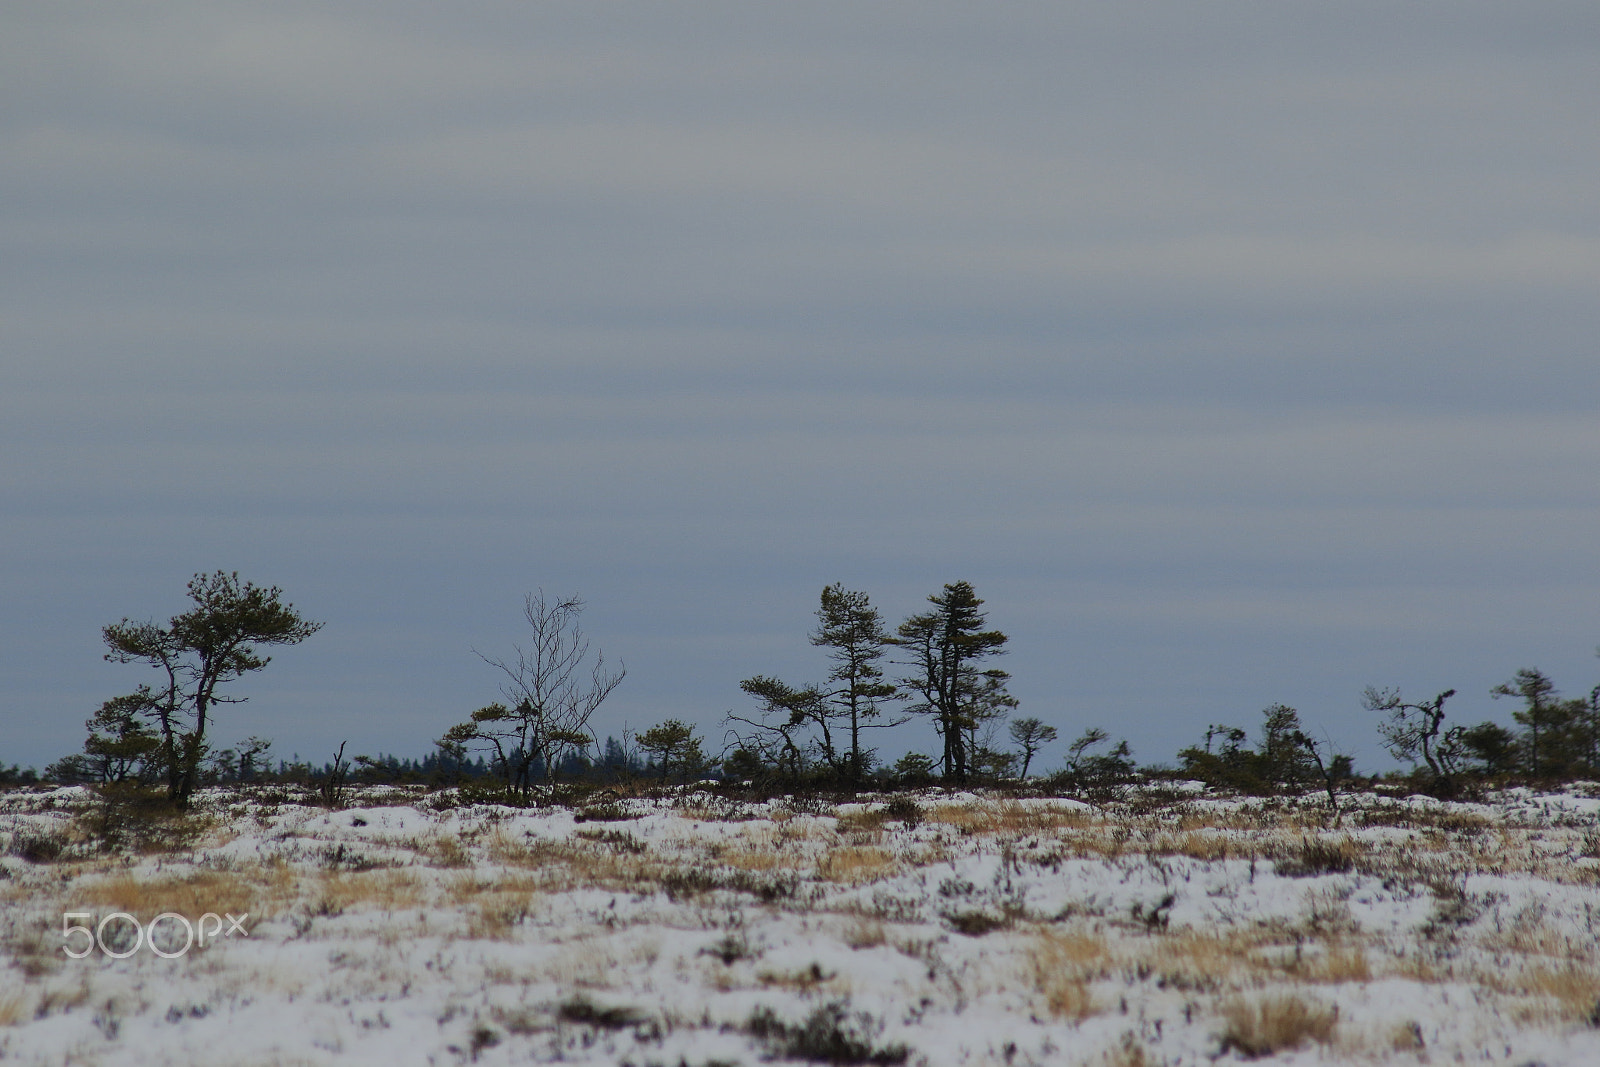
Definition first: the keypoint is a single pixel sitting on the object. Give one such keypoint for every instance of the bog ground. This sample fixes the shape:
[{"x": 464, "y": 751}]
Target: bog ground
[{"x": 695, "y": 928}]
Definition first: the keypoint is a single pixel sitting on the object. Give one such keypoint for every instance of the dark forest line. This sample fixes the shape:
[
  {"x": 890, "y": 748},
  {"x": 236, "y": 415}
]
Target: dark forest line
[{"x": 938, "y": 666}]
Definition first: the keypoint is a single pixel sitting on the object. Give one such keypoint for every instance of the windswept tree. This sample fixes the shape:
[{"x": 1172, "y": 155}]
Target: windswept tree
[
  {"x": 1414, "y": 731},
  {"x": 790, "y": 729},
  {"x": 1541, "y": 714},
  {"x": 942, "y": 650},
  {"x": 1100, "y": 771},
  {"x": 1031, "y": 735},
  {"x": 676, "y": 748},
  {"x": 197, "y": 654},
  {"x": 1285, "y": 756},
  {"x": 797, "y": 726},
  {"x": 549, "y": 696}
]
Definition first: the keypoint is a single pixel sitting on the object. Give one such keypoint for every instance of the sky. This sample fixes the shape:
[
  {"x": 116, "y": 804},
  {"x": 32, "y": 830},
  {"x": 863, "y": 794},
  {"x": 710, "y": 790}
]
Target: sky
[{"x": 1237, "y": 353}]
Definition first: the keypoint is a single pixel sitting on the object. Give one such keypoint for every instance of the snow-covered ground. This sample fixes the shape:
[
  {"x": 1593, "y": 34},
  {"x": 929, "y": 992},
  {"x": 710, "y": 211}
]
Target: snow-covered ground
[{"x": 694, "y": 929}]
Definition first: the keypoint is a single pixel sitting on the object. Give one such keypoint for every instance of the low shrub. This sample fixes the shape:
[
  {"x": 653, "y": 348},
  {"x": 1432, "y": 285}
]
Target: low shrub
[
  {"x": 585, "y": 1012},
  {"x": 36, "y": 846},
  {"x": 1315, "y": 856},
  {"x": 831, "y": 1034},
  {"x": 904, "y": 809}
]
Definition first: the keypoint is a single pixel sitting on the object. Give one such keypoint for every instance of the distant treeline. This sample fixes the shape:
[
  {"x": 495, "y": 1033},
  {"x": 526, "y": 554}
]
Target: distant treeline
[
  {"x": 938, "y": 666},
  {"x": 435, "y": 769}
]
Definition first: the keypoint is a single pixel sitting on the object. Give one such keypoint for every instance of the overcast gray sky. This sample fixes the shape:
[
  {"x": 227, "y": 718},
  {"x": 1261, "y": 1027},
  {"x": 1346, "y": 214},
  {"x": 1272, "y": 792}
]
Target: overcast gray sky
[{"x": 1237, "y": 353}]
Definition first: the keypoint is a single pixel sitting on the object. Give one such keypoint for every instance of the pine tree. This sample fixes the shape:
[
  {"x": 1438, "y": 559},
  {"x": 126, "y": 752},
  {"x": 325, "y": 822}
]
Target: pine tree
[
  {"x": 197, "y": 654},
  {"x": 851, "y": 628},
  {"x": 943, "y": 648}
]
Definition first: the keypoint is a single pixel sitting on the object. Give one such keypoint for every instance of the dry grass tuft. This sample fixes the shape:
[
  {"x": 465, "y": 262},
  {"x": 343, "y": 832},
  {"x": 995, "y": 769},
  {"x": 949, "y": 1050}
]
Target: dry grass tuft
[
  {"x": 1062, "y": 965},
  {"x": 865, "y": 933},
  {"x": 446, "y": 850},
  {"x": 1067, "y": 998},
  {"x": 1574, "y": 989},
  {"x": 862, "y": 821},
  {"x": 387, "y": 890},
  {"x": 611, "y": 860},
  {"x": 496, "y": 915},
  {"x": 1007, "y": 817},
  {"x": 508, "y": 851},
  {"x": 1128, "y": 1054},
  {"x": 755, "y": 858},
  {"x": 803, "y": 980},
  {"x": 62, "y": 998},
  {"x": 855, "y": 865},
  {"x": 1338, "y": 963},
  {"x": 13, "y": 1007},
  {"x": 1275, "y": 1024},
  {"x": 1316, "y": 855},
  {"x": 191, "y": 894},
  {"x": 1406, "y": 1037},
  {"x": 1208, "y": 846},
  {"x": 1194, "y": 961}
]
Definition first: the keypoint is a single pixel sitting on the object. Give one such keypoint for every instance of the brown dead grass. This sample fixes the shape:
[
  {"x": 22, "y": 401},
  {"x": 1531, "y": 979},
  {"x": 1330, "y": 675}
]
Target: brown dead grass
[
  {"x": 871, "y": 821},
  {"x": 803, "y": 980},
  {"x": 1276, "y": 1023},
  {"x": 507, "y": 850},
  {"x": 1336, "y": 964},
  {"x": 865, "y": 933},
  {"x": 1128, "y": 1054},
  {"x": 555, "y": 866},
  {"x": 62, "y": 997},
  {"x": 385, "y": 890},
  {"x": 1007, "y": 817},
  {"x": 1573, "y": 990},
  {"x": 855, "y": 865},
  {"x": 472, "y": 889},
  {"x": 13, "y": 1007},
  {"x": 1061, "y": 967},
  {"x": 191, "y": 894},
  {"x": 496, "y": 916},
  {"x": 1207, "y": 962},
  {"x": 445, "y": 850},
  {"x": 1208, "y": 846},
  {"x": 753, "y": 859}
]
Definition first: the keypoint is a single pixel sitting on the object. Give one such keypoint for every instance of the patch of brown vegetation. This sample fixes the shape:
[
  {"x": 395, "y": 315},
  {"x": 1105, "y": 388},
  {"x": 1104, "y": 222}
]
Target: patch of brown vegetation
[
  {"x": 446, "y": 850},
  {"x": 1061, "y": 967},
  {"x": 1205, "y": 962},
  {"x": 191, "y": 894},
  {"x": 1573, "y": 988},
  {"x": 804, "y": 980},
  {"x": 495, "y": 916},
  {"x": 854, "y": 865},
  {"x": 13, "y": 1007},
  {"x": 1007, "y": 817},
  {"x": 385, "y": 890},
  {"x": 870, "y": 821},
  {"x": 865, "y": 933},
  {"x": 1273, "y": 1024}
]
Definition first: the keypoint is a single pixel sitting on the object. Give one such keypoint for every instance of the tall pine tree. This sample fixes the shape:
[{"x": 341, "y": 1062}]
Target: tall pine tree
[
  {"x": 851, "y": 629},
  {"x": 943, "y": 648}
]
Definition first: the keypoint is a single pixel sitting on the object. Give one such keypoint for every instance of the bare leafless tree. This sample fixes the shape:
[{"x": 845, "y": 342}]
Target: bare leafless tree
[{"x": 550, "y": 695}]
